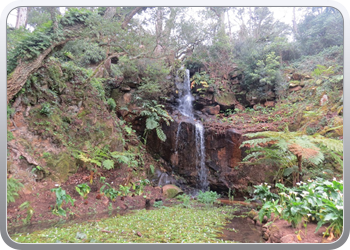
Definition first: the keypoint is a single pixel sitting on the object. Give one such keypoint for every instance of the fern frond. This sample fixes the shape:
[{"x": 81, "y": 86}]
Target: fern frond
[
  {"x": 331, "y": 144},
  {"x": 161, "y": 134},
  {"x": 151, "y": 123},
  {"x": 108, "y": 164},
  {"x": 257, "y": 142}
]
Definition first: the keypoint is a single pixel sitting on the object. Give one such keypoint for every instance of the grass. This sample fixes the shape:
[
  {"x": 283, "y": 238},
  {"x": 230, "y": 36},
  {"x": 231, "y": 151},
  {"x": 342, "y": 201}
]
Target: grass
[{"x": 169, "y": 225}]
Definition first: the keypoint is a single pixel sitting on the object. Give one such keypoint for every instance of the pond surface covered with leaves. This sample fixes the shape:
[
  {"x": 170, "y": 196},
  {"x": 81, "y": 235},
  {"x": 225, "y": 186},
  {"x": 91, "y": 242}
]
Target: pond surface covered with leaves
[{"x": 163, "y": 225}]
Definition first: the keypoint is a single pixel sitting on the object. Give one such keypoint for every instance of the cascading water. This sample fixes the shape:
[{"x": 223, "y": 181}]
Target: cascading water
[{"x": 185, "y": 108}]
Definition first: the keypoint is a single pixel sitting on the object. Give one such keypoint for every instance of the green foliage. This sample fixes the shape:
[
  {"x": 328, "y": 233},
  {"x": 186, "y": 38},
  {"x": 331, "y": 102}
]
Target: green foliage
[
  {"x": 61, "y": 196},
  {"x": 110, "y": 192},
  {"x": 268, "y": 208},
  {"x": 75, "y": 15},
  {"x": 151, "y": 167},
  {"x": 262, "y": 193},
  {"x": 83, "y": 189},
  {"x": 108, "y": 164},
  {"x": 267, "y": 70},
  {"x": 10, "y": 111},
  {"x": 46, "y": 109},
  {"x": 140, "y": 185},
  {"x": 30, "y": 46},
  {"x": 10, "y": 136},
  {"x": 285, "y": 148},
  {"x": 125, "y": 190},
  {"x": 319, "y": 200},
  {"x": 189, "y": 225},
  {"x": 155, "y": 114},
  {"x": 158, "y": 204},
  {"x": 13, "y": 186},
  {"x": 106, "y": 159},
  {"x": 83, "y": 52},
  {"x": 207, "y": 197},
  {"x": 202, "y": 79},
  {"x": 153, "y": 76},
  {"x": 322, "y": 70},
  {"x": 30, "y": 211},
  {"x": 321, "y": 28},
  {"x": 111, "y": 103},
  {"x": 97, "y": 83},
  {"x": 186, "y": 200}
]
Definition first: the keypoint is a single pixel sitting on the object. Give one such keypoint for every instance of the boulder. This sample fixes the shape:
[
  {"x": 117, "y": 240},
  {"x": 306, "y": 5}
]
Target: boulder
[
  {"x": 170, "y": 191},
  {"x": 212, "y": 110}
]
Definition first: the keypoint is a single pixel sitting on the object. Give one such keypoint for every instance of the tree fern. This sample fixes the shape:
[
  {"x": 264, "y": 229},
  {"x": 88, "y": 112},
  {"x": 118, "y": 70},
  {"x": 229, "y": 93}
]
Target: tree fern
[{"x": 287, "y": 148}]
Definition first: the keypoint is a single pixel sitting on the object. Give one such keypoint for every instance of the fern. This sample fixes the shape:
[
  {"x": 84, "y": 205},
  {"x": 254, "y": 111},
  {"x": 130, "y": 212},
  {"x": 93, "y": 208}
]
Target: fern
[
  {"x": 13, "y": 186},
  {"x": 161, "y": 134},
  {"x": 288, "y": 148},
  {"x": 155, "y": 114},
  {"x": 151, "y": 123},
  {"x": 108, "y": 164}
]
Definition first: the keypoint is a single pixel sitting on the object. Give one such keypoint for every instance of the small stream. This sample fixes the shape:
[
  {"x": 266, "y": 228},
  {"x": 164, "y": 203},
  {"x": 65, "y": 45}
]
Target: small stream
[{"x": 239, "y": 229}]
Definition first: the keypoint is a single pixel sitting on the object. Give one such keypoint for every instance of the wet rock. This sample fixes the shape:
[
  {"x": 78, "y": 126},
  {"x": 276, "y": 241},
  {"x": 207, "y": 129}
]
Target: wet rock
[{"x": 212, "y": 110}]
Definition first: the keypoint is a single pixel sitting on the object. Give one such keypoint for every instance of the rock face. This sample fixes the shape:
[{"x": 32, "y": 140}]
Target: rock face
[
  {"x": 221, "y": 149},
  {"x": 222, "y": 157}
]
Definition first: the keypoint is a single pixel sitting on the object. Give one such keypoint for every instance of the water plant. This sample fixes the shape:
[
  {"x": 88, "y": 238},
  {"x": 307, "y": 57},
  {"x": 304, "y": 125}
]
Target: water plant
[{"x": 188, "y": 225}]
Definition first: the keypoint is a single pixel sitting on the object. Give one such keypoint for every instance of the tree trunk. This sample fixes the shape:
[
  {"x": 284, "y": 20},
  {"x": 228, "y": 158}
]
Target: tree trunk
[
  {"x": 159, "y": 29},
  {"x": 21, "y": 17},
  {"x": 110, "y": 12},
  {"x": 295, "y": 27},
  {"x": 25, "y": 69},
  {"x": 130, "y": 15}
]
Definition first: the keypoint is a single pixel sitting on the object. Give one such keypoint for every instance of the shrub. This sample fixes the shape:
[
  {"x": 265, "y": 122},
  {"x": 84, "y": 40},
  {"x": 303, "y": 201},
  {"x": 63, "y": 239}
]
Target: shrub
[
  {"x": 111, "y": 103},
  {"x": 46, "y": 109},
  {"x": 207, "y": 197}
]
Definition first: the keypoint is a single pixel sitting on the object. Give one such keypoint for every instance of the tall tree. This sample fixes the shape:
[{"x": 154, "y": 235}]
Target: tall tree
[
  {"x": 321, "y": 28},
  {"x": 22, "y": 14}
]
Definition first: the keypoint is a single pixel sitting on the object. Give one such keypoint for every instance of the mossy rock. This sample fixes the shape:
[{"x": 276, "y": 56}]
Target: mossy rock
[
  {"x": 61, "y": 166},
  {"x": 252, "y": 214},
  {"x": 170, "y": 191}
]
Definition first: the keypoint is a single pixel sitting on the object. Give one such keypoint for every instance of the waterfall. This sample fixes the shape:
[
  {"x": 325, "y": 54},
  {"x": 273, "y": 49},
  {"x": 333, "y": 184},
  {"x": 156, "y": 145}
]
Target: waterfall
[
  {"x": 186, "y": 98},
  {"x": 185, "y": 107},
  {"x": 202, "y": 172}
]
